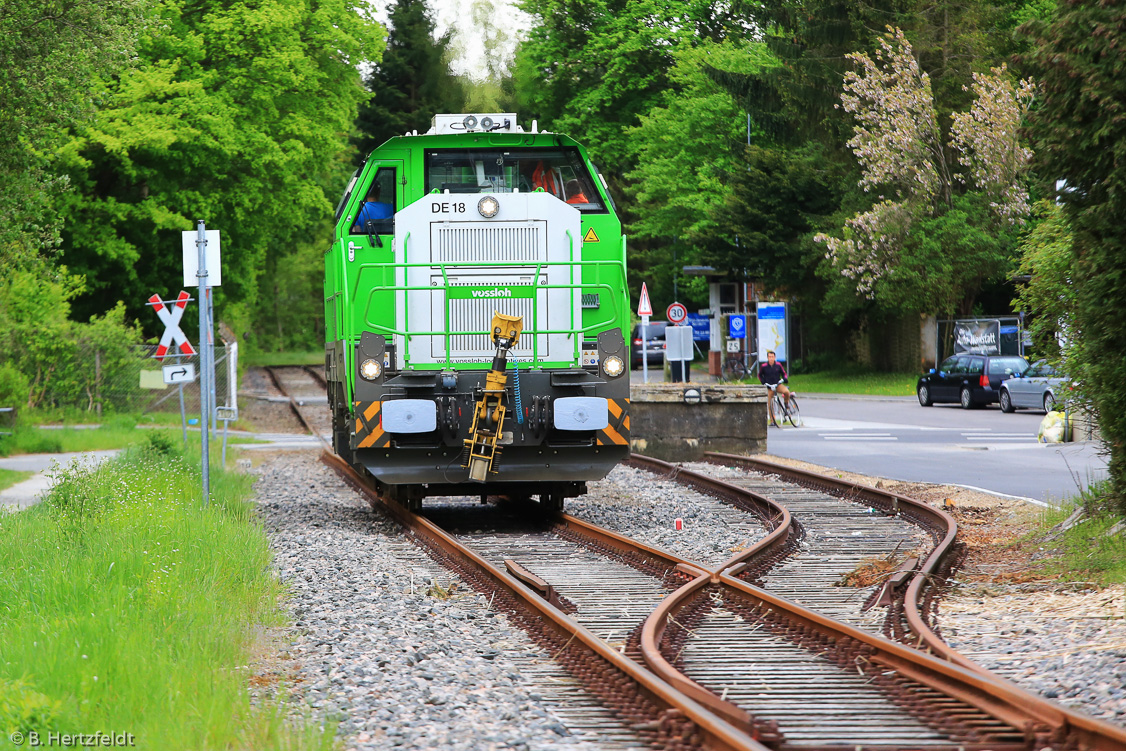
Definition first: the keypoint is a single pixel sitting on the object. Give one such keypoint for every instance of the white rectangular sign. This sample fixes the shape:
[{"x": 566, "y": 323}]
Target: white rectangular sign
[
  {"x": 191, "y": 259},
  {"x": 678, "y": 343},
  {"x": 772, "y": 330},
  {"x": 184, "y": 373}
]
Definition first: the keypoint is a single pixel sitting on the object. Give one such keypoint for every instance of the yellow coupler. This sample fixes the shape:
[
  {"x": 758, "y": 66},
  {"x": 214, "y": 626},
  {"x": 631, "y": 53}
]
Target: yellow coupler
[{"x": 488, "y": 416}]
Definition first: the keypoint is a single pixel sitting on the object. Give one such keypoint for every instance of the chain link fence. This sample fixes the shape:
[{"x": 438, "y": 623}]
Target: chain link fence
[{"x": 131, "y": 380}]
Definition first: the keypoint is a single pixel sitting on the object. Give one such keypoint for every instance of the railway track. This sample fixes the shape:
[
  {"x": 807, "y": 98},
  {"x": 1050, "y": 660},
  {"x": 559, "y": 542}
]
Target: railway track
[
  {"x": 686, "y": 655},
  {"x": 303, "y": 387}
]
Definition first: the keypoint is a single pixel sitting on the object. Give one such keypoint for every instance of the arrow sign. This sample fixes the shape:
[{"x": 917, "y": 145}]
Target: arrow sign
[
  {"x": 644, "y": 308},
  {"x": 179, "y": 373},
  {"x": 170, "y": 315}
]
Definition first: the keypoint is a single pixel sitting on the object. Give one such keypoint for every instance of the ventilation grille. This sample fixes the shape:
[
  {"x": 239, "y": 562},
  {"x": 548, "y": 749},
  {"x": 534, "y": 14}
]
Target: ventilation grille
[
  {"x": 489, "y": 244},
  {"x": 590, "y": 301},
  {"x": 475, "y": 314}
]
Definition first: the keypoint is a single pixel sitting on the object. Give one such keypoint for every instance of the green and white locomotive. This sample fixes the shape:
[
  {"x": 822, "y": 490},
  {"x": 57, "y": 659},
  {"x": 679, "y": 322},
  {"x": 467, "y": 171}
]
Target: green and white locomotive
[{"x": 476, "y": 313}]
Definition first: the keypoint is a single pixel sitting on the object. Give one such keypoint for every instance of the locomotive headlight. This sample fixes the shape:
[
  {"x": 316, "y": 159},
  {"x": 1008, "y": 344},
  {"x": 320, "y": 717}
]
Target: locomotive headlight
[
  {"x": 370, "y": 369},
  {"x": 488, "y": 207},
  {"x": 470, "y": 122},
  {"x": 613, "y": 366}
]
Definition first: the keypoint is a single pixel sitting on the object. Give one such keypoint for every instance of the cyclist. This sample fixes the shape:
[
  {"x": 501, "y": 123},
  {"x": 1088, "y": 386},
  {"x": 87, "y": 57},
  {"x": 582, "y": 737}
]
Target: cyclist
[{"x": 774, "y": 377}]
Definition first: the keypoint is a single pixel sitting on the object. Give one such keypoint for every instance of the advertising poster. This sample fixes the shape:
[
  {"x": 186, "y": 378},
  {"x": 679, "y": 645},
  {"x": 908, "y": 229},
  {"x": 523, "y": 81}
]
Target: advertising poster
[
  {"x": 977, "y": 337},
  {"x": 772, "y": 330},
  {"x": 701, "y": 327}
]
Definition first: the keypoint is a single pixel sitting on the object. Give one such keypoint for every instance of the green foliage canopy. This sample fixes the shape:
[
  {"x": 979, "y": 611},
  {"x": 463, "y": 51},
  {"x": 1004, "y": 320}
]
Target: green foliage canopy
[
  {"x": 1047, "y": 256},
  {"x": 412, "y": 82},
  {"x": 686, "y": 146},
  {"x": 234, "y": 113},
  {"x": 594, "y": 68},
  {"x": 1080, "y": 137},
  {"x": 43, "y": 91},
  {"x": 933, "y": 237}
]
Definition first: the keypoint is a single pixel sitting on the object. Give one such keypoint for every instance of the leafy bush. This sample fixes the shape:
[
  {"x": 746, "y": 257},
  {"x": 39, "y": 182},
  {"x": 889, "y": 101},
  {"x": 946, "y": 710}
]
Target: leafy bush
[
  {"x": 13, "y": 386},
  {"x": 23, "y": 709},
  {"x": 49, "y": 360}
]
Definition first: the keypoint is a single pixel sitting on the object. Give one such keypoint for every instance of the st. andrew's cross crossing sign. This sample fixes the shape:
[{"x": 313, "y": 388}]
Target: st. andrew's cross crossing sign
[{"x": 170, "y": 314}]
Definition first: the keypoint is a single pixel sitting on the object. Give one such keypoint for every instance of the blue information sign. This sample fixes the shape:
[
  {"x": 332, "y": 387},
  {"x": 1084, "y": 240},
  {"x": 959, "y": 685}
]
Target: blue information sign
[
  {"x": 736, "y": 327},
  {"x": 701, "y": 327}
]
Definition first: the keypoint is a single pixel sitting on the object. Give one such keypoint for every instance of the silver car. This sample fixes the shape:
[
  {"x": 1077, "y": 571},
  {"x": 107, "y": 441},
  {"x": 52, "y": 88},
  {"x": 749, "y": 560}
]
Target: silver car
[{"x": 1039, "y": 387}]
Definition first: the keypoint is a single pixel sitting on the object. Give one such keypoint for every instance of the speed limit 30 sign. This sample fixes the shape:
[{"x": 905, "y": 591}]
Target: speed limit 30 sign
[{"x": 677, "y": 313}]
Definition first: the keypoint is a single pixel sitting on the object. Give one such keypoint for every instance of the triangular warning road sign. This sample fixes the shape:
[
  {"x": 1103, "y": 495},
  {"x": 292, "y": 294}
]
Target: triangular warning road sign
[
  {"x": 591, "y": 236},
  {"x": 644, "y": 308}
]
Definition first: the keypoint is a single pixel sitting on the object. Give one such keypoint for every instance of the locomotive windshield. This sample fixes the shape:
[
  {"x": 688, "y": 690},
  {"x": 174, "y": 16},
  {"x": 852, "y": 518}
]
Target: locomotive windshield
[{"x": 561, "y": 172}]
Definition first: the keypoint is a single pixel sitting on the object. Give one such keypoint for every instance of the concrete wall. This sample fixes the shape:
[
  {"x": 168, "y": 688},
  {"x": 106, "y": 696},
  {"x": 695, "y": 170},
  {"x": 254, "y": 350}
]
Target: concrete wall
[{"x": 728, "y": 418}]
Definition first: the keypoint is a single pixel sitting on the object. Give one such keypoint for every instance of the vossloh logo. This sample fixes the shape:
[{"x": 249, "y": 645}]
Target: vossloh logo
[{"x": 494, "y": 292}]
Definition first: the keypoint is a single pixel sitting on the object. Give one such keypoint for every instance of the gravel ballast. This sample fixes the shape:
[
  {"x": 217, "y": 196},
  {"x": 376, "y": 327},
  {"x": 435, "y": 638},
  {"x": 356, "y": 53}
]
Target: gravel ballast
[
  {"x": 1066, "y": 646},
  {"x": 402, "y": 663},
  {"x": 645, "y": 507},
  {"x": 400, "y": 652}
]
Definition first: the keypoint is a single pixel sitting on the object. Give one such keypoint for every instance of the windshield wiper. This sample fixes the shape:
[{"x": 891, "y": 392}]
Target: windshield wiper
[{"x": 373, "y": 236}]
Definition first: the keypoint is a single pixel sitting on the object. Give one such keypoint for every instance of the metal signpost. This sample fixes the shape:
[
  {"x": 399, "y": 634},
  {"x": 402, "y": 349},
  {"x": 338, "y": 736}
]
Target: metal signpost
[
  {"x": 645, "y": 309},
  {"x": 206, "y": 246}
]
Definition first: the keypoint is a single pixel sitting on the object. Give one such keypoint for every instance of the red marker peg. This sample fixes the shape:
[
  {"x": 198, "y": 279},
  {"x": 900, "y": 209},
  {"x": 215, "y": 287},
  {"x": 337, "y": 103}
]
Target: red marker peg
[{"x": 679, "y": 523}]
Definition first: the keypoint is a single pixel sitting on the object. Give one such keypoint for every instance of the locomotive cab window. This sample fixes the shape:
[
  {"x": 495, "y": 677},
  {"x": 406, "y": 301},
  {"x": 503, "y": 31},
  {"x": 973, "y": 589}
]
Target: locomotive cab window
[
  {"x": 560, "y": 172},
  {"x": 377, "y": 211}
]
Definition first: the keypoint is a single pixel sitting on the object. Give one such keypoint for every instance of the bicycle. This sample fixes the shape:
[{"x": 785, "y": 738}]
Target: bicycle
[
  {"x": 781, "y": 412},
  {"x": 734, "y": 369}
]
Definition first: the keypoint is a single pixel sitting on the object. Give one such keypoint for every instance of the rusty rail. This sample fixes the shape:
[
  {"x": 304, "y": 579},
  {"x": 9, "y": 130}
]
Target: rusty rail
[
  {"x": 293, "y": 402},
  {"x": 948, "y": 672},
  {"x": 893, "y": 504},
  {"x": 682, "y": 724}
]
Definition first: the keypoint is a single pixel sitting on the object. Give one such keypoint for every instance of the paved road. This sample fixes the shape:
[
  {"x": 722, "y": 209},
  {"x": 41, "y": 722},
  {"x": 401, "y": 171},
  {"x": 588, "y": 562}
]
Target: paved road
[{"x": 896, "y": 438}]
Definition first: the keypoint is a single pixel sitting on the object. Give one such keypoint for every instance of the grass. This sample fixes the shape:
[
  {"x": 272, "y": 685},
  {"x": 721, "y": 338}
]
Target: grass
[
  {"x": 128, "y": 607},
  {"x": 10, "y": 477},
  {"x": 854, "y": 381},
  {"x": 117, "y": 434},
  {"x": 277, "y": 359},
  {"x": 1085, "y": 552}
]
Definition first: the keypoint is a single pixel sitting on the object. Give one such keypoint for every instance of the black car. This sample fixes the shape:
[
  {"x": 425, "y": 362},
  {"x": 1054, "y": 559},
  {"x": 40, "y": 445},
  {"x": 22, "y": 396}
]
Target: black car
[
  {"x": 970, "y": 380},
  {"x": 654, "y": 348}
]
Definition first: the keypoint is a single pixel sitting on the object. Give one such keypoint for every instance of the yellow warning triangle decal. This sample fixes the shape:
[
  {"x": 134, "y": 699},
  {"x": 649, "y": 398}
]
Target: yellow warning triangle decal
[{"x": 590, "y": 236}]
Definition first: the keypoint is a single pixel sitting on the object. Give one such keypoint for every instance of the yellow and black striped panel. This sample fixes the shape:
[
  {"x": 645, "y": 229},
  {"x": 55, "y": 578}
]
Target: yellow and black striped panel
[
  {"x": 617, "y": 432},
  {"x": 369, "y": 428}
]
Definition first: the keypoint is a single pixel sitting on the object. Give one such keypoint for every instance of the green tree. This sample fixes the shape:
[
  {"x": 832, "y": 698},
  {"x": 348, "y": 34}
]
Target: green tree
[
  {"x": 934, "y": 236},
  {"x": 594, "y": 68},
  {"x": 412, "y": 82},
  {"x": 50, "y": 54},
  {"x": 494, "y": 90},
  {"x": 1047, "y": 256},
  {"x": 1080, "y": 137},
  {"x": 236, "y": 113},
  {"x": 686, "y": 146}
]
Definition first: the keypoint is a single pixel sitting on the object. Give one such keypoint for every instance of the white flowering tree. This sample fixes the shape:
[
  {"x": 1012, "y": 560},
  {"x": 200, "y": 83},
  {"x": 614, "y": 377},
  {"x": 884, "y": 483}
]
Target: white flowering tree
[{"x": 945, "y": 209}]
